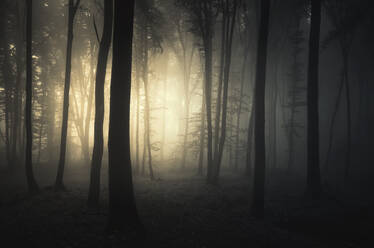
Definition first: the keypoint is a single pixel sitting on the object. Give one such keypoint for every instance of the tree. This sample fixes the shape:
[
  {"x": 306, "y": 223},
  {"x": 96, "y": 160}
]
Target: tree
[
  {"x": 97, "y": 154},
  {"x": 73, "y": 6},
  {"x": 313, "y": 187},
  {"x": 203, "y": 15},
  {"x": 227, "y": 49},
  {"x": 122, "y": 209},
  {"x": 32, "y": 185},
  {"x": 259, "y": 121}
]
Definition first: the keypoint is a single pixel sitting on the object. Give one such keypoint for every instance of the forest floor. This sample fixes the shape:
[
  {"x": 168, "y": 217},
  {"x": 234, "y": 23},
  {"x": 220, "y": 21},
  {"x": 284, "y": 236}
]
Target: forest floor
[{"x": 178, "y": 211}]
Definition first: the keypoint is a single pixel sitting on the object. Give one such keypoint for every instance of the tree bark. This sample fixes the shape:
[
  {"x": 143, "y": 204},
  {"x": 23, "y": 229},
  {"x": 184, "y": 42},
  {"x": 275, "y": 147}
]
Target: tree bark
[
  {"x": 313, "y": 187},
  {"x": 59, "y": 185},
  {"x": 147, "y": 107},
  {"x": 97, "y": 153},
  {"x": 31, "y": 183},
  {"x": 259, "y": 171},
  {"x": 227, "y": 65},
  {"x": 123, "y": 214}
]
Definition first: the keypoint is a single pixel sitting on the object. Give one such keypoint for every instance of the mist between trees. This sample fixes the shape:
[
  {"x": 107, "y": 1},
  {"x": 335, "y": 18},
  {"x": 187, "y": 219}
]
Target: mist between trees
[{"x": 268, "y": 90}]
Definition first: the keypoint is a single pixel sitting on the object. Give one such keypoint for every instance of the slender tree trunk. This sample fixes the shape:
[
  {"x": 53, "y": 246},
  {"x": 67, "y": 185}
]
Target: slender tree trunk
[
  {"x": 59, "y": 185},
  {"x": 229, "y": 35},
  {"x": 90, "y": 99},
  {"x": 313, "y": 187},
  {"x": 144, "y": 149},
  {"x": 31, "y": 183},
  {"x": 123, "y": 214},
  {"x": 248, "y": 167},
  {"x": 97, "y": 153},
  {"x": 220, "y": 82},
  {"x": 147, "y": 107},
  {"x": 137, "y": 166},
  {"x": 148, "y": 129},
  {"x": 17, "y": 98},
  {"x": 208, "y": 52},
  {"x": 259, "y": 171},
  {"x": 202, "y": 136},
  {"x": 164, "y": 110}
]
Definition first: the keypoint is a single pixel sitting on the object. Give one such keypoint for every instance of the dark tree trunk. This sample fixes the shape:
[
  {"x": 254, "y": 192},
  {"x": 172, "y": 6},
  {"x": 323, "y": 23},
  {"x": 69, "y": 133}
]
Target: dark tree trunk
[
  {"x": 123, "y": 214},
  {"x": 248, "y": 167},
  {"x": 137, "y": 166},
  {"x": 259, "y": 171},
  {"x": 202, "y": 136},
  {"x": 59, "y": 185},
  {"x": 227, "y": 65},
  {"x": 97, "y": 153},
  {"x": 31, "y": 183},
  {"x": 147, "y": 111},
  {"x": 163, "y": 141},
  {"x": 17, "y": 98},
  {"x": 220, "y": 80},
  {"x": 313, "y": 187}
]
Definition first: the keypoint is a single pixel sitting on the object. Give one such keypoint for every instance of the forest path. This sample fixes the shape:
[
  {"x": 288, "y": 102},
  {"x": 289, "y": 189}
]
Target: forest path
[{"x": 177, "y": 211}]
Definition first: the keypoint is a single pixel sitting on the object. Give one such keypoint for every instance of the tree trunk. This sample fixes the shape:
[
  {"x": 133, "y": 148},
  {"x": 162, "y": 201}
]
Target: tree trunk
[
  {"x": 208, "y": 52},
  {"x": 313, "y": 187},
  {"x": 222, "y": 139},
  {"x": 248, "y": 167},
  {"x": 59, "y": 185},
  {"x": 202, "y": 136},
  {"x": 31, "y": 183},
  {"x": 220, "y": 81},
  {"x": 137, "y": 167},
  {"x": 97, "y": 153},
  {"x": 259, "y": 171},
  {"x": 123, "y": 214},
  {"x": 87, "y": 121},
  {"x": 17, "y": 99},
  {"x": 147, "y": 107},
  {"x": 162, "y": 155}
]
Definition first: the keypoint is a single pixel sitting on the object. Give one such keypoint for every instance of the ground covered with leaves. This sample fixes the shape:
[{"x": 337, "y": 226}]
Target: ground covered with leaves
[{"x": 179, "y": 210}]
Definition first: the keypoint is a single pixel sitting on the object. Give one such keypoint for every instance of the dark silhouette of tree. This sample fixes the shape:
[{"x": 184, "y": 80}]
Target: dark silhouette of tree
[
  {"x": 259, "y": 122},
  {"x": 97, "y": 154},
  {"x": 32, "y": 185},
  {"x": 313, "y": 186},
  {"x": 229, "y": 13},
  {"x": 122, "y": 209},
  {"x": 73, "y": 6}
]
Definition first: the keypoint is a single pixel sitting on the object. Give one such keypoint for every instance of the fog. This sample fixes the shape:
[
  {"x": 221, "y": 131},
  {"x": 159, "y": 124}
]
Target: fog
[{"x": 256, "y": 107}]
